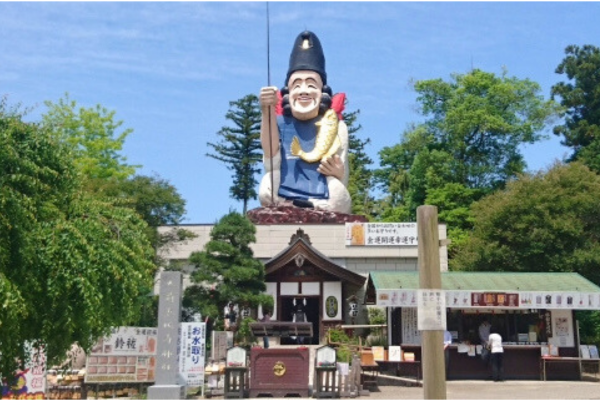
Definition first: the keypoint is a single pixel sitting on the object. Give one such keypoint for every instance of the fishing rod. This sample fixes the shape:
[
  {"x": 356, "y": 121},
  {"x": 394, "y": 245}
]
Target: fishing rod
[{"x": 269, "y": 109}]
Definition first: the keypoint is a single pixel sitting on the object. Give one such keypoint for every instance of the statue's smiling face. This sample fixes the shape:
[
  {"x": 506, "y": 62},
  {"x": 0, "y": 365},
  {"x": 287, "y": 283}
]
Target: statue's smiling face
[{"x": 306, "y": 90}]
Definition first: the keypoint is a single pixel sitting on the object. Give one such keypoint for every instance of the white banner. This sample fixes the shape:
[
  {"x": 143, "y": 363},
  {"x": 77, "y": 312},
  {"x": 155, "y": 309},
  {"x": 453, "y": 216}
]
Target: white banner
[
  {"x": 431, "y": 310},
  {"x": 382, "y": 234},
  {"x": 192, "y": 352},
  {"x": 29, "y": 383},
  {"x": 504, "y": 300}
]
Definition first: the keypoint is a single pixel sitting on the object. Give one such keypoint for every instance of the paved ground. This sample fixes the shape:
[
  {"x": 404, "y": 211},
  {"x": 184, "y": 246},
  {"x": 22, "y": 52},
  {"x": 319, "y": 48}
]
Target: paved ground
[
  {"x": 498, "y": 390},
  {"x": 494, "y": 390},
  {"x": 589, "y": 388}
]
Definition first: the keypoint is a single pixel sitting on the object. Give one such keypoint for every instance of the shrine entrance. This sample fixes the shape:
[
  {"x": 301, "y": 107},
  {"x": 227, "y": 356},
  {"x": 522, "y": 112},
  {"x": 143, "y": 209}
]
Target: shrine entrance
[
  {"x": 311, "y": 309},
  {"x": 301, "y": 275}
]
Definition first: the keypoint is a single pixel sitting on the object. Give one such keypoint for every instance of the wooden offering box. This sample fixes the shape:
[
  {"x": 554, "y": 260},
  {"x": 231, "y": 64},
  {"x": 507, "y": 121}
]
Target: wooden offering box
[{"x": 279, "y": 372}]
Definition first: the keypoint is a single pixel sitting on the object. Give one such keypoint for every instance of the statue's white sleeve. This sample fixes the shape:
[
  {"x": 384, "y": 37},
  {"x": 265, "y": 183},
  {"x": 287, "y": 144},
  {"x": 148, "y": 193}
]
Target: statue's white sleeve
[{"x": 275, "y": 161}]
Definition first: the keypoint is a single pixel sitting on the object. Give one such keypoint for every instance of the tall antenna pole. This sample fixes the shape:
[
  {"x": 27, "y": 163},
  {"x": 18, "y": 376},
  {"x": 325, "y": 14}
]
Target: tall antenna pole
[{"x": 269, "y": 109}]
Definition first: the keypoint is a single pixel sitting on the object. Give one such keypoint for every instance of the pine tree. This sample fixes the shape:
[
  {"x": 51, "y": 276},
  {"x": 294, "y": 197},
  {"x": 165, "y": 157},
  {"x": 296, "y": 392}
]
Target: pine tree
[
  {"x": 240, "y": 147},
  {"x": 360, "y": 179},
  {"x": 580, "y": 96},
  {"x": 226, "y": 271}
]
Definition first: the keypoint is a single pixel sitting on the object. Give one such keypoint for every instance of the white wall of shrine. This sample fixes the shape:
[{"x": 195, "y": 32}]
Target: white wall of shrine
[{"x": 329, "y": 239}]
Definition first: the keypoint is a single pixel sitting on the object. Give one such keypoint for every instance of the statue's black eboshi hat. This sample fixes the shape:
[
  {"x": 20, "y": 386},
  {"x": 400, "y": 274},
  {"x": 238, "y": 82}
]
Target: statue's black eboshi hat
[{"x": 307, "y": 54}]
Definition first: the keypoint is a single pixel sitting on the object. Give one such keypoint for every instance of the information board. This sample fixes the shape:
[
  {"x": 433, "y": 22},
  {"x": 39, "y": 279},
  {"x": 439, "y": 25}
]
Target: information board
[
  {"x": 192, "y": 352},
  {"x": 431, "y": 310},
  {"x": 127, "y": 355}
]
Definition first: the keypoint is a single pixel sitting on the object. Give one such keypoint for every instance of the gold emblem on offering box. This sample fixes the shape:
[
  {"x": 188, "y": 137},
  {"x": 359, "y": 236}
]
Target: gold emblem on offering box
[{"x": 279, "y": 369}]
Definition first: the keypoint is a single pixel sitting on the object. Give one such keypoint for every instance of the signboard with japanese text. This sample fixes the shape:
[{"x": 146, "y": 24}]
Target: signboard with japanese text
[
  {"x": 127, "y": 355},
  {"x": 467, "y": 299},
  {"x": 563, "y": 334},
  {"x": 395, "y": 353},
  {"x": 410, "y": 330},
  {"x": 397, "y": 298},
  {"x": 382, "y": 234},
  {"x": 431, "y": 310},
  {"x": 458, "y": 299},
  {"x": 29, "y": 383},
  {"x": 493, "y": 299},
  {"x": 192, "y": 352},
  {"x": 35, "y": 370},
  {"x": 221, "y": 341}
]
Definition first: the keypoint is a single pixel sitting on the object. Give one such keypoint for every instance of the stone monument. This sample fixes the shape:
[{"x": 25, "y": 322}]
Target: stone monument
[{"x": 167, "y": 384}]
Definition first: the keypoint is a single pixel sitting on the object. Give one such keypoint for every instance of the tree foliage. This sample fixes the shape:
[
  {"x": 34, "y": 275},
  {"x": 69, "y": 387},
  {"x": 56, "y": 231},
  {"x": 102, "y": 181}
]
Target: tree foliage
[
  {"x": 589, "y": 325},
  {"x": 71, "y": 265},
  {"x": 481, "y": 119},
  {"x": 240, "y": 147},
  {"x": 393, "y": 176},
  {"x": 360, "y": 177},
  {"x": 158, "y": 203},
  {"x": 547, "y": 222},
  {"x": 155, "y": 200},
  {"x": 93, "y": 137},
  {"x": 95, "y": 143},
  {"x": 467, "y": 147},
  {"x": 580, "y": 96},
  {"x": 226, "y": 271}
]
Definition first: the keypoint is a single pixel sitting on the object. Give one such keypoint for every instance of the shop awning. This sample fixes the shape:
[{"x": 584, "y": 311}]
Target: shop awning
[{"x": 529, "y": 290}]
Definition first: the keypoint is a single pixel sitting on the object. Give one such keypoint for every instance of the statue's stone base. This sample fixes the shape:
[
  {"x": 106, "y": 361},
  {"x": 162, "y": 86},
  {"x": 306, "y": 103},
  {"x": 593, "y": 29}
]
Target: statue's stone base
[
  {"x": 167, "y": 392},
  {"x": 297, "y": 215}
]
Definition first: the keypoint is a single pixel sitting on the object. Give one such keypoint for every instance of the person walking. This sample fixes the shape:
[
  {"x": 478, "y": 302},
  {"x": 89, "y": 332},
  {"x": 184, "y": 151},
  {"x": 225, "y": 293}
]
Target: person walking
[
  {"x": 266, "y": 318},
  {"x": 497, "y": 355},
  {"x": 484, "y": 332},
  {"x": 447, "y": 343}
]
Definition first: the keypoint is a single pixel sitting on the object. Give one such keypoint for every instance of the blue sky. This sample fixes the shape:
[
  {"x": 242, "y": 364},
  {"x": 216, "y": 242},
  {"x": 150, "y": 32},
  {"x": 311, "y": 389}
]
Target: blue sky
[{"x": 169, "y": 70}]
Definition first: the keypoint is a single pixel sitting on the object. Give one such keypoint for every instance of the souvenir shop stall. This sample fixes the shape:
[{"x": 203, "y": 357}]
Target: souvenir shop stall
[{"x": 533, "y": 312}]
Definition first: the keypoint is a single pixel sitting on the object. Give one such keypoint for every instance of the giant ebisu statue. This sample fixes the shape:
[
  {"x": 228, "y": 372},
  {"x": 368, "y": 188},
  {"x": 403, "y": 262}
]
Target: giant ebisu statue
[{"x": 304, "y": 140}]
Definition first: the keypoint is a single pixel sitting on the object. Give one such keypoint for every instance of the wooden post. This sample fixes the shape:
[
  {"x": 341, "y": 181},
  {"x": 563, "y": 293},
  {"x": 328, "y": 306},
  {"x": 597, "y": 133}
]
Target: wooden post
[{"x": 432, "y": 344}]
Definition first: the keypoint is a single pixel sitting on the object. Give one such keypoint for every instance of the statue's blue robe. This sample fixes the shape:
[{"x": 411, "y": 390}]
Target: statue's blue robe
[{"x": 299, "y": 179}]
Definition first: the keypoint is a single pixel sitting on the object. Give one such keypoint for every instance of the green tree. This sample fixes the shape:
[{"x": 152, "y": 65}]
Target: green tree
[
  {"x": 589, "y": 325},
  {"x": 481, "y": 119},
  {"x": 93, "y": 137},
  {"x": 544, "y": 222},
  {"x": 393, "y": 177},
  {"x": 158, "y": 203},
  {"x": 155, "y": 200},
  {"x": 360, "y": 177},
  {"x": 240, "y": 147},
  {"x": 467, "y": 147},
  {"x": 71, "y": 265},
  {"x": 96, "y": 140},
  {"x": 580, "y": 96},
  {"x": 226, "y": 271}
]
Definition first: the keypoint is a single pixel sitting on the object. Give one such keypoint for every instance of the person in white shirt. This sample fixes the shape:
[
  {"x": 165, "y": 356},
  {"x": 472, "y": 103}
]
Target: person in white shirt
[
  {"x": 497, "y": 356},
  {"x": 447, "y": 343}
]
